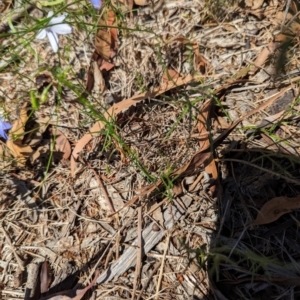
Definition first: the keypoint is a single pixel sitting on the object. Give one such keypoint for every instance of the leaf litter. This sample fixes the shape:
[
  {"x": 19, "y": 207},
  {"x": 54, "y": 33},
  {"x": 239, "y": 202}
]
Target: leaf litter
[{"x": 167, "y": 128}]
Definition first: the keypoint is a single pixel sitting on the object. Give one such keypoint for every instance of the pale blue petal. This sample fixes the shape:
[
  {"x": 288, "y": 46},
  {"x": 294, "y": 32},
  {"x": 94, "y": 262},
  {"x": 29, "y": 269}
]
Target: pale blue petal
[
  {"x": 41, "y": 34},
  {"x": 96, "y": 3},
  {"x": 4, "y": 126},
  {"x": 61, "y": 29},
  {"x": 50, "y": 14},
  {"x": 57, "y": 20},
  {"x": 53, "y": 39}
]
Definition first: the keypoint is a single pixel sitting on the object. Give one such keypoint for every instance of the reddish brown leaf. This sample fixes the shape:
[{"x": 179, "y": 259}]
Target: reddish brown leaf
[
  {"x": 275, "y": 208},
  {"x": 103, "y": 42}
]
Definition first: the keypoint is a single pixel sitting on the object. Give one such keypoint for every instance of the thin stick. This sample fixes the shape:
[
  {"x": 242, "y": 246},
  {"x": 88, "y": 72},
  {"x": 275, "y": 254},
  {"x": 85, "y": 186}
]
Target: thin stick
[
  {"x": 155, "y": 268},
  {"x": 162, "y": 266},
  {"x": 285, "y": 13},
  {"x": 139, "y": 254}
]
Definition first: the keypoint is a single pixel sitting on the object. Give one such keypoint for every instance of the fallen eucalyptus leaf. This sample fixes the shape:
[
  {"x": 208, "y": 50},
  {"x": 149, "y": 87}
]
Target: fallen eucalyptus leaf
[{"x": 275, "y": 208}]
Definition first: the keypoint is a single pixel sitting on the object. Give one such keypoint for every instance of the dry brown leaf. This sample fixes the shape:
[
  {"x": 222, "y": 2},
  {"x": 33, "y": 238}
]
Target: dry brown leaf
[
  {"x": 19, "y": 152},
  {"x": 17, "y": 149},
  {"x": 62, "y": 144},
  {"x": 121, "y": 106},
  {"x": 275, "y": 208},
  {"x": 129, "y": 4},
  {"x": 19, "y": 125},
  {"x": 103, "y": 41},
  {"x": 107, "y": 38},
  {"x": 111, "y": 21}
]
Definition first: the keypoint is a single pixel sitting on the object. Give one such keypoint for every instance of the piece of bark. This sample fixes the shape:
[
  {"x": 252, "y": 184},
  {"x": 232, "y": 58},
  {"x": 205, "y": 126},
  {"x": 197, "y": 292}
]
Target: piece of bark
[
  {"x": 32, "y": 281},
  {"x": 150, "y": 237}
]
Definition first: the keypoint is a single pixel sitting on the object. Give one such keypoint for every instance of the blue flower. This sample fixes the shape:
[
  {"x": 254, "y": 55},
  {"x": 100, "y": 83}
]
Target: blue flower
[
  {"x": 4, "y": 126},
  {"x": 55, "y": 27},
  {"x": 96, "y": 3}
]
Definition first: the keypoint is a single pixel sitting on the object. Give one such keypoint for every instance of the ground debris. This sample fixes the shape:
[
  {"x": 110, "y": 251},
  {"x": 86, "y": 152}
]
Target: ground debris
[{"x": 164, "y": 163}]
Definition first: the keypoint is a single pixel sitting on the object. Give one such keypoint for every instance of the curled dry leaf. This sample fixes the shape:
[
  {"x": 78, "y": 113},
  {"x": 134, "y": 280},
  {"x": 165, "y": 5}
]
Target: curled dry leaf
[
  {"x": 106, "y": 37},
  {"x": 36, "y": 135},
  {"x": 106, "y": 42},
  {"x": 103, "y": 41},
  {"x": 19, "y": 152},
  {"x": 17, "y": 149},
  {"x": 275, "y": 208}
]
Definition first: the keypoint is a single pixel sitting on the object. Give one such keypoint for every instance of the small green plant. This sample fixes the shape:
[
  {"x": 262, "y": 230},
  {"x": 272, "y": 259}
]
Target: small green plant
[{"x": 168, "y": 182}]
